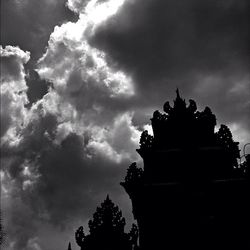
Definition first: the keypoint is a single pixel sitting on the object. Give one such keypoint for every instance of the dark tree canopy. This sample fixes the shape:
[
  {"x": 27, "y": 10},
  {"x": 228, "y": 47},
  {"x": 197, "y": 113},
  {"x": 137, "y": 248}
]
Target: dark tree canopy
[
  {"x": 69, "y": 246},
  {"x": 106, "y": 230},
  {"x": 134, "y": 174},
  {"x": 80, "y": 236},
  {"x": 134, "y": 179},
  {"x": 225, "y": 140},
  {"x": 146, "y": 140},
  {"x": 107, "y": 216}
]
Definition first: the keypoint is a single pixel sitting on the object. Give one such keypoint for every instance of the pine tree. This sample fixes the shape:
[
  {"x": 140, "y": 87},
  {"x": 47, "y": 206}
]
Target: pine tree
[
  {"x": 69, "y": 247},
  {"x": 106, "y": 230}
]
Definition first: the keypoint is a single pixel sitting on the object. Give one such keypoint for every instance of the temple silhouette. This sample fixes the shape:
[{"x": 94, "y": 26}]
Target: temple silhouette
[{"x": 192, "y": 191}]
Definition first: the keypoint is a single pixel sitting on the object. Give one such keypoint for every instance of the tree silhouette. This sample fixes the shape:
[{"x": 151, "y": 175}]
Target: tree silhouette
[
  {"x": 134, "y": 174},
  {"x": 106, "y": 230},
  {"x": 69, "y": 246},
  {"x": 80, "y": 236},
  {"x": 134, "y": 179},
  {"x": 225, "y": 140},
  {"x": 146, "y": 142}
]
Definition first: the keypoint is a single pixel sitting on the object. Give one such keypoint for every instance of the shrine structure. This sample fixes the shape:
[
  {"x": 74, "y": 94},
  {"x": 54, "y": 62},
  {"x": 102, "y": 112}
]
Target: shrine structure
[{"x": 192, "y": 192}]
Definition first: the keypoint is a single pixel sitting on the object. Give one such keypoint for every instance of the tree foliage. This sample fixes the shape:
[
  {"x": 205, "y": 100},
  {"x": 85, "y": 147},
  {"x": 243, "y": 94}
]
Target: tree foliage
[
  {"x": 106, "y": 230},
  {"x": 134, "y": 174},
  {"x": 225, "y": 140}
]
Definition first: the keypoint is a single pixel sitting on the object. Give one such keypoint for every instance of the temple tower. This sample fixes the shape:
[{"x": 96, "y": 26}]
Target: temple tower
[{"x": 191, "y": 192}]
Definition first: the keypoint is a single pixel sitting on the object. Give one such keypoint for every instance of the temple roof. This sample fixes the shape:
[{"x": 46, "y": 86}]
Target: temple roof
[
  {"x": 185, "y": 138},
  {"x": 181, "y": 125}
]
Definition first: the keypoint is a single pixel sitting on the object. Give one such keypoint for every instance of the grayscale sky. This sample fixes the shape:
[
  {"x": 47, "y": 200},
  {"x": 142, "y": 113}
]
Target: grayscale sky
[{"x": 79, "y": 82}]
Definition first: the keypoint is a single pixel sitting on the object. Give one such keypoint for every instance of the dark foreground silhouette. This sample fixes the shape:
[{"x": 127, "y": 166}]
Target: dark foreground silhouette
[
  {"x": 193, "y": 192},
  {"x": 106, "y": 230}
]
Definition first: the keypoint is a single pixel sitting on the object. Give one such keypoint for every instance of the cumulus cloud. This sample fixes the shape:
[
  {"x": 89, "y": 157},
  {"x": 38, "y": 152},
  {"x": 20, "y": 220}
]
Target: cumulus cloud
[
  {"x": 117, "y": 142},
  {"x": 66, "y": 178},
  {"x": 13, "y": 88},
  {"x": 95, "y": 88},
  {"x": 70, "y": 150},
  {"x": 162, "y": 39},
  {"x": 37, "y": 87},
  {"x": 28, "y": 24},
  {"x": 81, "y": 76},
  {"x": 80, "y": 72},
  {"x": 76, "y": 5}
]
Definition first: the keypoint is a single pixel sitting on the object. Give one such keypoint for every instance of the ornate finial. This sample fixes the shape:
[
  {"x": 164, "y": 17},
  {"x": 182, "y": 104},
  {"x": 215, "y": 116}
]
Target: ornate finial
[
  {"x": 179, "y": 103},
  {"x": 192, "y": 106},
  {"x": 167, "y": 108},
  {"x": 177, "y": 93}
]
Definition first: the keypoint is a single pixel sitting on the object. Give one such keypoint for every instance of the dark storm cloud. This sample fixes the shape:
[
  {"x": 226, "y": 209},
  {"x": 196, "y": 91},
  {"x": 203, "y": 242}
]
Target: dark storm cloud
[
  {"x": 19, "y": 223},
  {"x": 65, "y": 180},
  {"x": 154, "y": 40},
  {"x": 37, "y": 87},
  {"x": 67, "y": 170},
  {"x": 10, "y": 68},
  {"x": 76, "y": 142},
  {"x": 200, "y": 46},
  {"x": 28, "y": 24}
]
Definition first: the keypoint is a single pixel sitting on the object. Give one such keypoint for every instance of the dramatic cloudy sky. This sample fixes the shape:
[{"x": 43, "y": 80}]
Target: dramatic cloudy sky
[{"x": 79, "y": 82}]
